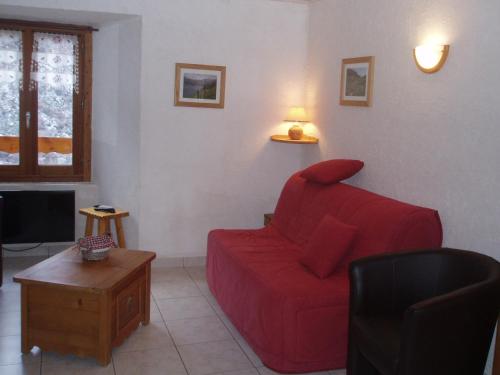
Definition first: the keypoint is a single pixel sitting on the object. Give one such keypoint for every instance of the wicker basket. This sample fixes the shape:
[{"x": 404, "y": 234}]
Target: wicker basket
[
  {"x": 93, "y": 255},
  {"x": 94, "y": 248}
]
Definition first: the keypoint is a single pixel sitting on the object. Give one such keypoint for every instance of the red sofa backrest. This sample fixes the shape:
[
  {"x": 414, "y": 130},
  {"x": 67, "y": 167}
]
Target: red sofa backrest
[{"x": 384, "y": 224}]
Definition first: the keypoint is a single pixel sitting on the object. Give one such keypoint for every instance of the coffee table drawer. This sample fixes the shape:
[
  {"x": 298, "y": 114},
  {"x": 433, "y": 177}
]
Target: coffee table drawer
[
  {"x": 129, "y": 306},
  {"x": 61, "y": 299}
]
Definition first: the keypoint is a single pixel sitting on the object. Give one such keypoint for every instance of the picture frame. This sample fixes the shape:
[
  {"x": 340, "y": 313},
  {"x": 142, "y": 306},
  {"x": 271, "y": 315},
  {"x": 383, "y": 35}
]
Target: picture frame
[
  {"x": 356, "y": 83},
  {"x": 200, "y": 85}
]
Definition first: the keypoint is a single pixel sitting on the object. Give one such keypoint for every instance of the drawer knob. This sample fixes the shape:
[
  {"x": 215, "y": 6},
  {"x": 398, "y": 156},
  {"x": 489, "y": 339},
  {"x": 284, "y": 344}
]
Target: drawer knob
[{"x": 129, "y": 303}]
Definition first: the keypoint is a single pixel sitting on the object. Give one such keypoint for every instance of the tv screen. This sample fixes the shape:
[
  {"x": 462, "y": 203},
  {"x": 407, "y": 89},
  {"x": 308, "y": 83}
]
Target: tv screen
[{"x": 38, "y": 216}]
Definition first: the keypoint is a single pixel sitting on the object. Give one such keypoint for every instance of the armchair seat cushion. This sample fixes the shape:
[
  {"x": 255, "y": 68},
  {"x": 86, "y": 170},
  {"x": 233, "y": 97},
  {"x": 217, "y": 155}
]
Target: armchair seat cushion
[{"x": 379, "y": 337}]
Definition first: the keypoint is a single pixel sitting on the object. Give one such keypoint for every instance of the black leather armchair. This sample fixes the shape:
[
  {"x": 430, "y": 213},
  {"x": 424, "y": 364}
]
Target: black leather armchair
[{"x": 429, "y": 312}]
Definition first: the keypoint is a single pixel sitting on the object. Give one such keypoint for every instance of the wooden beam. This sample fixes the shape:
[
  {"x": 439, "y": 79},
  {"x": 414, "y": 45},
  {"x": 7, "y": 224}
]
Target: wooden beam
[
  {"x": 45, "y": 144},
  {"x": 9, "y": 144},
  {"x": 60, "y": 145}
]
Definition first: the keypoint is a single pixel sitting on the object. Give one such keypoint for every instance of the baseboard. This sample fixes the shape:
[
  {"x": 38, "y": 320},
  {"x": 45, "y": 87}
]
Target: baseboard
[
  {"x": 167, "y": 262},
  {"x": 194, "y": 261}
]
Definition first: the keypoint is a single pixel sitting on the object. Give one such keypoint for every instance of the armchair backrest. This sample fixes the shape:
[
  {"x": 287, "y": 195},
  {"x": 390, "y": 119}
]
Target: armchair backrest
[
  {"x": 425, "y": 275},
  {"x": 443, "y": 304},
  {"x": 451, "y": 332}
]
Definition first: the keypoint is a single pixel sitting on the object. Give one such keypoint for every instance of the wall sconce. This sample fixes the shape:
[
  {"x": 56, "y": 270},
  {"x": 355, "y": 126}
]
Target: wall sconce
[
  {"x": 430, "y": 58},
  {"x": 296, "y": 115}
]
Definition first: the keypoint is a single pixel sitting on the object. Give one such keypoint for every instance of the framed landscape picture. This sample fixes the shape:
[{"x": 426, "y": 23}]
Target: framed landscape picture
[
  {"x": 356, "y": 83},
  {"x": 200, "y": 85}
]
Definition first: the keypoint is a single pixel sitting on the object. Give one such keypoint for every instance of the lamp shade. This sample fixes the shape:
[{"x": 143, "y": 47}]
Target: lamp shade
[
  {"x": 430, "y": 58},
  {"x": 297, "y": 114}
]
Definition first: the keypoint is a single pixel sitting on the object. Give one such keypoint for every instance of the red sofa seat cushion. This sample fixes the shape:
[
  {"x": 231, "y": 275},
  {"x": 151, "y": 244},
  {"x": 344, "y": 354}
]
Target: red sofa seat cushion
[
  {"x": 282, "y": 311},
  {"x": 263, "y": 237},
  {"x": 327, "y": 246}
]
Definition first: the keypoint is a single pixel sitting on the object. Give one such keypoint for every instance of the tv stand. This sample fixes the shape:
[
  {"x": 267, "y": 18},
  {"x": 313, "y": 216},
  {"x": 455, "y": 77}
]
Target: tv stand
[{"x": 36, "y": 216}]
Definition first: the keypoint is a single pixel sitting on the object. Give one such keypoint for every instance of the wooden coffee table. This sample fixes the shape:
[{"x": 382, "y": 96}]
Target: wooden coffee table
[{"x": 85, "y": 308}]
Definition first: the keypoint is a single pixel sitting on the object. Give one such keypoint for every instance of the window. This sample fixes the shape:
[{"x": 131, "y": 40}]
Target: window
[{"x": 45, "y": 101}]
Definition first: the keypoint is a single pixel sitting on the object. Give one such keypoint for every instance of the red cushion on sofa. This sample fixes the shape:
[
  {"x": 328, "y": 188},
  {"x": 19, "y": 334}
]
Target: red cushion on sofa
[
  {"x": 329, "y": 243},
  {"x": 332, "y": 171}
]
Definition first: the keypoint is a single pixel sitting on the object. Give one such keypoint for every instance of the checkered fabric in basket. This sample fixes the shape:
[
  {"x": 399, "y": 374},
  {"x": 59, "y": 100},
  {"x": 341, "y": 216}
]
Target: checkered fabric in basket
[
  {"x": 98, "y": 242},
  {"x": 95, "y": 247}
]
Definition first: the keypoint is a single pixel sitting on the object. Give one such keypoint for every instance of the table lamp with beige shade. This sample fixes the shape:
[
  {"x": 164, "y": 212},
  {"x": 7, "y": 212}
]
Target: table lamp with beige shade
[{"x": 298, "y": 117}]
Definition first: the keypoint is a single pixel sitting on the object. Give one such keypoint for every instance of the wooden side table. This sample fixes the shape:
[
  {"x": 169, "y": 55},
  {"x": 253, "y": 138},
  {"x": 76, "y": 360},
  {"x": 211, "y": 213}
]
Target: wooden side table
[{"x": 103, "y": 221}]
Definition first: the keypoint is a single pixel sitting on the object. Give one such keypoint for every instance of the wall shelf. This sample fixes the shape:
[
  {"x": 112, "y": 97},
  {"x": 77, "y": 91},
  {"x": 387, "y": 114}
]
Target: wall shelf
[{"x": 306, "y": 139}]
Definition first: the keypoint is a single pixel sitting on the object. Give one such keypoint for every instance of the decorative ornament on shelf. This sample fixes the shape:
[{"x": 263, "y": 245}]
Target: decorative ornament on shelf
[
  {"x": 295, "y": 132},
  {"x": 297, "y": 116},
  {"x": 430, "y": 58}
]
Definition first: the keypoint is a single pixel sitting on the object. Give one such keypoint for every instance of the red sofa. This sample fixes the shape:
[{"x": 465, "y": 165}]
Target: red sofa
[{"x": 293, "y": 320}]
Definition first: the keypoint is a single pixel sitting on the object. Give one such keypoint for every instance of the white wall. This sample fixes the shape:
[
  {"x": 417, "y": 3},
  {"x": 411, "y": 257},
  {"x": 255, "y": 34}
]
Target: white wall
[
  {"x": 195, "y": 169},
  {"x": 116, "y": 118},
  {"x": 209, "y": 168},
  {"x": 428, "y": 139}
]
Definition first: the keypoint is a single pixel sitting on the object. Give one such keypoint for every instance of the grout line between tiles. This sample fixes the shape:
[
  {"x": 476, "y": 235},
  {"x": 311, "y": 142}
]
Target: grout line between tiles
[
  {"x": 236, "y": 370},
  {"x": 41, "y": 361},
  {"x": 206, "y": 342},
  {"x": 180, "y": 357},
  {"x": 113, "y": 363},
  {"x": 179, "y": 297},
  {"x": 224, "y": 324},
  {"x": 170, "y": 335},
  {"x": 194, "y": 281},
  {"x": 173, "y": 342},
  {"x": 218, "y": 317},
  {"x": 238, "y": 343}
]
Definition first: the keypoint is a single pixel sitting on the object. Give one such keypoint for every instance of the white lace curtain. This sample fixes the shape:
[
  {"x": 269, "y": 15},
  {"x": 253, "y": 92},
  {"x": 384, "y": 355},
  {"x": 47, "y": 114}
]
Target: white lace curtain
[
  {"x": 11, "y": 56},
  {"x": 55, "y": 61}
]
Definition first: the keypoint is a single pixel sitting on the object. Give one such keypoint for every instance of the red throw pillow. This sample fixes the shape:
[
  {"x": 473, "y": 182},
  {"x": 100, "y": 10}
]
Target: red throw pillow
[
  {"x": 332, "y": 171},
  {"x": 329, "y": 243}
]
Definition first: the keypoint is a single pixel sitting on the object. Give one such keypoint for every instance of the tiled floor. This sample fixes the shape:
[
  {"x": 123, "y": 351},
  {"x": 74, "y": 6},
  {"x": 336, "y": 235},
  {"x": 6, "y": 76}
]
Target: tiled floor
[{"x": 188, "y": 334}]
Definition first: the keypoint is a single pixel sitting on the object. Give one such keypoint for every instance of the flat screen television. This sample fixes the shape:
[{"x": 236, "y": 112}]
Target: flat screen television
[{"x": 38, "y": 216}]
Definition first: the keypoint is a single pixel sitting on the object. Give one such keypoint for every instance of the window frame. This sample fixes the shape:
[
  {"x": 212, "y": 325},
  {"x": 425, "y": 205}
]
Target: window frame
[{"x": 28, "y": 169}]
